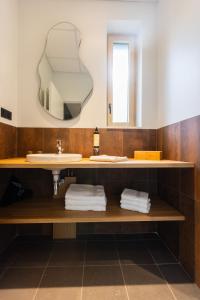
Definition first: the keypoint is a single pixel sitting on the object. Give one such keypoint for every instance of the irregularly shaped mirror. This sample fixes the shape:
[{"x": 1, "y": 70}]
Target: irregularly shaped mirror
[{"x": 65, "y": 83}]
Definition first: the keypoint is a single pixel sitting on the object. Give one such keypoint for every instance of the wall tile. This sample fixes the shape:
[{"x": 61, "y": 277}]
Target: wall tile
[
  {"x": 168, "y": 140},
  {"x": 80, "y": 140},
  {"x": 8, "y": 141},
  {"x": 111, "y": 141},
  {"x": 197, "y": 181},
  {"x": 182, "y": 141},
  {"x": 138, "y": 139},
  {"x": 187, "y": 235},
  {"x": 29, "y": 139},
  {"x": 190, "y": 139}
]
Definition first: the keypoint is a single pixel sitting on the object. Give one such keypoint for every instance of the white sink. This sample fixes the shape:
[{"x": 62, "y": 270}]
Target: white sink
[{"x": 51, "y": 157}]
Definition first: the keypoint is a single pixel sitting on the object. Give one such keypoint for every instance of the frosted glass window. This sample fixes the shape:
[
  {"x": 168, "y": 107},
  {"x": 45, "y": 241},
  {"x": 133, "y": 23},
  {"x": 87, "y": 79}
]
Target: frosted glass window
[
  {"x": 120, "y": 87},
  {"x": 121, "y": 81}
]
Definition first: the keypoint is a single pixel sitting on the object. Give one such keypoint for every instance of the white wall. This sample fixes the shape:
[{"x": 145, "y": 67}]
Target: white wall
[
  {"x": 91, "y": 18},
  {"x": 9, "y": 57},
  {"x": 179, "y": 60}
]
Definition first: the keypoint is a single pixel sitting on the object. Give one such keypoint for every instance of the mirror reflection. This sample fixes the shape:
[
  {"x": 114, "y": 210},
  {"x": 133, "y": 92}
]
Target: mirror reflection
[{"x": 65, "y": 83}]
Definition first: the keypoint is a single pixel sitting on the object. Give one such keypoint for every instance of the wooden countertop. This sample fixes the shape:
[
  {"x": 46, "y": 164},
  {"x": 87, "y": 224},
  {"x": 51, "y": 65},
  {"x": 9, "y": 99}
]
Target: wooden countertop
[{"x": 21, "y": 163}]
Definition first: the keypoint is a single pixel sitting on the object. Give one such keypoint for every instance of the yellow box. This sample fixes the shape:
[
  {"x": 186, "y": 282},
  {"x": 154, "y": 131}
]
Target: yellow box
[{"x": 148, "y": 155}]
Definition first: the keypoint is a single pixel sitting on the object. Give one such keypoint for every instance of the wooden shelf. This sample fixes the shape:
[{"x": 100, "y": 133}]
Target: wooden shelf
[{"x": 52, "y": 211}]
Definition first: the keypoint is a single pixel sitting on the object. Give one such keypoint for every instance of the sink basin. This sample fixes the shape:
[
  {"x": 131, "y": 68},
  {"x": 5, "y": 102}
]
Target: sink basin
[{"x": 51, "y": 157}]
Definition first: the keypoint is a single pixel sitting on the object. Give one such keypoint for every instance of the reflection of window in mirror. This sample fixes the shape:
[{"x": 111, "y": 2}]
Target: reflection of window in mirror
[
  {"x": 121, "y": 80},
  {"x": 42, "y": 97},
  {"x": 47, "y": 99}
]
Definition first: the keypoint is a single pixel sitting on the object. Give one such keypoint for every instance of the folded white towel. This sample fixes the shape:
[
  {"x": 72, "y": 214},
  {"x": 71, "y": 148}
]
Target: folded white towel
[
  {"x": 138, "y": 209},
  {"x": 84, "y": 201},
  {"x": 135, "y": 203},
  {"x": 86, "y": 207},
  {"x": 85, "y": 192},
  {"x": 130, "y": 194},
  {"x": 108, "y": 158}
]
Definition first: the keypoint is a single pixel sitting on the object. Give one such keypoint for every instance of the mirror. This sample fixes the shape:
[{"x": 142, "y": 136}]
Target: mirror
[{"x": 65, "y": 83}]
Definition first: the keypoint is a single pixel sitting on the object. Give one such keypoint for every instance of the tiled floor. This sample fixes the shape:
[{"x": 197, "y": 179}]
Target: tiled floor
[{"x": 137, "y": 267}]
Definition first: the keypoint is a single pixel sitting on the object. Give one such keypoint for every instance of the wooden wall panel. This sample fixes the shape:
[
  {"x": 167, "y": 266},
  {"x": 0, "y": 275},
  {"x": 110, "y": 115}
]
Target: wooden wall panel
[
  {"x": 181, "y": 141},
  {"x": 8, "y": 141},
  {"x": 111, "y": 142},
  {"x": 29, "y": 139},
  {"x": 80, "y": 140},
  {"x": 190, "y": 139},
  {"x": 8, "y": 148},
  {"x": 139, "y": 139},
  {"x": 190, "y": 150},
  {"x": 168, "y": 140}
]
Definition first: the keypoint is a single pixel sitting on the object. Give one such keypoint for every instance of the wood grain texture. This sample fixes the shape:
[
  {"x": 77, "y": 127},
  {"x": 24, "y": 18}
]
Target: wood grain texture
[
  {"x": 190, "y": 139},
  {"x": 8, "y": 141},
  {"x": 80, "y": 140},
  {"x": 29, "y": 139},
  {"x": 140, "y": 139},
  {"x": 52, "y": 211},
  {"x": 168, "y": 141},
  {"x": 22, "y": 163},
  {"x": 111, "y": 142},
  {"x": 182, "y": 141},
  {"x": 8, "y": 148}
]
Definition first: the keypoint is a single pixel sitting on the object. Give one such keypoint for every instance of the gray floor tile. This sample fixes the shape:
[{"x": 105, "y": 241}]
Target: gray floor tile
[
  {"x": 61, "y": 283},
  {"x": 181, "y": 284},
  {"x": 145, "y": 282},
  {"x": 103, "y": 283},
  {"x": 160, "y": 252},
  {"x": 66, "y": 253},
  {"x": 134, "y": 253},
  {"x": 9, "y": 255},
  {"x": 31, "y": 255},
  {"x": 101, "y": 253},
  {"x": 20, "y": 283}
]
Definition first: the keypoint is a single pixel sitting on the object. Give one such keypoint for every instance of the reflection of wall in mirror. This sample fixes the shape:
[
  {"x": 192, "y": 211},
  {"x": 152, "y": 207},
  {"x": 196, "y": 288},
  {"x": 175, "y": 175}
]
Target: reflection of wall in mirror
[
  {"x": 47, "y": 74},
  {"x": 74, "y": 87},
  {"x": 56, "y": 106}
]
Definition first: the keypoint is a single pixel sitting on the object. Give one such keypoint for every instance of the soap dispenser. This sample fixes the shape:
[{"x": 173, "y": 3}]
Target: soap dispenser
[{"x": 96, "y": 141}]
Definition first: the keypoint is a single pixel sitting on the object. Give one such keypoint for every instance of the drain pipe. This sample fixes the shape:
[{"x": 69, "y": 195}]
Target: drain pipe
[{"x": 56, "y": 179}]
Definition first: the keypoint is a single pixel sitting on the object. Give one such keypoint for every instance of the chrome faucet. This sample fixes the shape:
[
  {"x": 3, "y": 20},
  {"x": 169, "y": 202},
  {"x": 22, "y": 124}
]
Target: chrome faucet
[{"x": 59, "y": 147}]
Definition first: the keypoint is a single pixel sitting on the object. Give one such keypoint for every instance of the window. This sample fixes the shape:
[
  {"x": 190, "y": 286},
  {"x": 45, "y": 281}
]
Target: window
[{"x": 121, "y": 81}]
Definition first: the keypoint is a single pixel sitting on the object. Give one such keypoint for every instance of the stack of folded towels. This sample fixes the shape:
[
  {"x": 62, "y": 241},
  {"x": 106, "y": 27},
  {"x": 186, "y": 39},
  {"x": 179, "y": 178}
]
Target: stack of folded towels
[
  {"x": 85, "y": 197},
  {"x": 135, "y": 200}
]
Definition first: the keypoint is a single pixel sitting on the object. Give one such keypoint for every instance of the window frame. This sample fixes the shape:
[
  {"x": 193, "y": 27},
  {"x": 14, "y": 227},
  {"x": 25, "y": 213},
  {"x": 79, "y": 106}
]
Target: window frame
[{"x": 131, "y": 41}]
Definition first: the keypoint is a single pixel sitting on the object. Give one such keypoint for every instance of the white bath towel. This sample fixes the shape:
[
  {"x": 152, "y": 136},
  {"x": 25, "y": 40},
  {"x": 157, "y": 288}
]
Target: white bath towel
[
  {"x": 108, "y": 158},
  {"x": 84, "y": 201},
  {"x": 129, "y": 194},
  {"x": 138, "y": 209},
  {"x": 86, "y": 207},
  {"x": 85, "y": 192},
  {"x": 85, "y": 197},
  {"x": 136, "y": 204}
]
